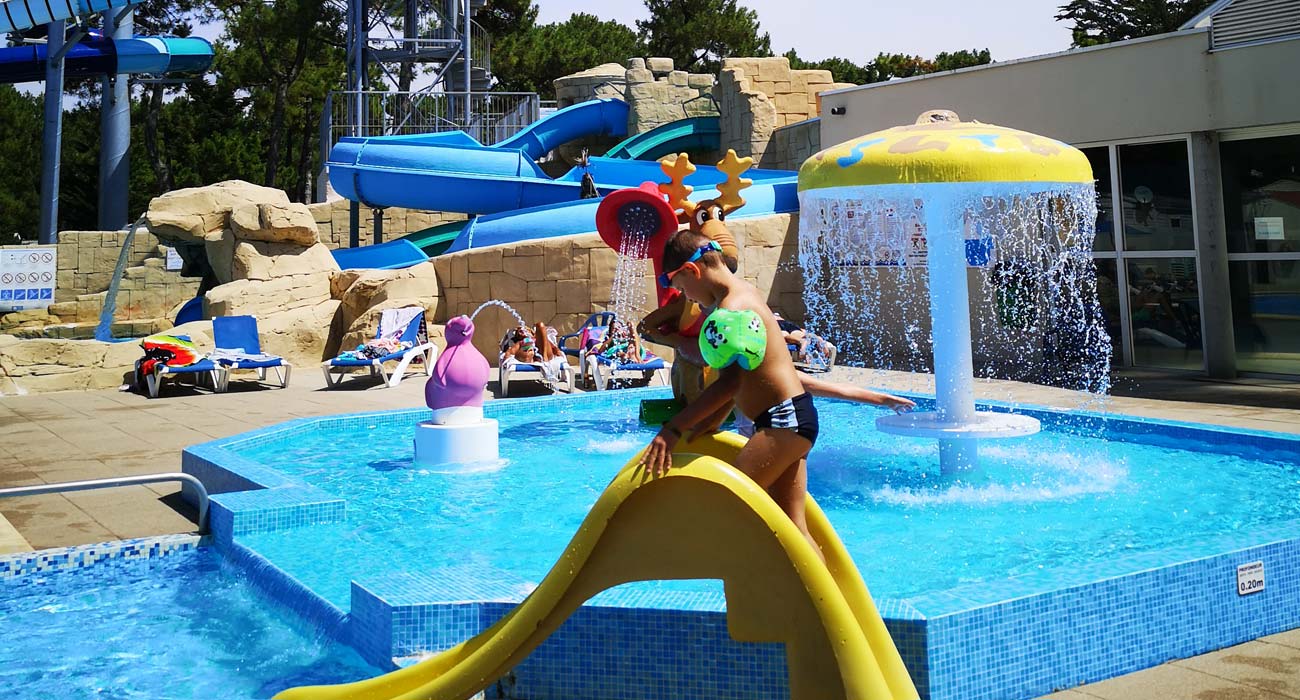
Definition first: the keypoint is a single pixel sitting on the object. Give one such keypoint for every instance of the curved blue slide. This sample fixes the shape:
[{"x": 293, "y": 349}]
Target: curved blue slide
[
  {"x": 18, "y": 15},
  {"x": 454, "y": 172},
  {"x": 692, "y": 134},
  {"x": 99, "y": 55}
]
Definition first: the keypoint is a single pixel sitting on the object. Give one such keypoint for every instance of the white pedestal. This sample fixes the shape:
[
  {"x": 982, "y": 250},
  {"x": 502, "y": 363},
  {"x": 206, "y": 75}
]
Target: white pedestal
[{"x": 443, "y": 444}]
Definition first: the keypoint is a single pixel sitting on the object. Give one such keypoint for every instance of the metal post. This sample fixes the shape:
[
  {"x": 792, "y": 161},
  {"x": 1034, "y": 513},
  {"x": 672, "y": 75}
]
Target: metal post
[
  {"x": 354, "y": 224},
  {"x": 115, "y": 135},
  {"x": 378, "y": 224},
  {"x": 469, "y": 63},
  {"x": 53, "y": 135},
  {"x": 326, "y": 142}
]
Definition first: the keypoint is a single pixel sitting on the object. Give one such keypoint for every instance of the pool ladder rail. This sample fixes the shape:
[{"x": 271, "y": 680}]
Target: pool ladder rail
[{"x": 93, "y": 484}]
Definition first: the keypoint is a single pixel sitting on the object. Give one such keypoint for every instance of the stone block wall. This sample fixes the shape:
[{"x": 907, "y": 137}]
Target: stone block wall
[
  {"x": 757, "y": 96},
  {"x": 332, "y": 222},
  {"x": 86, "y": 259},
  {"x": 791, "y": 145},
  {"x": 607, "y": 80},
  {"x": 657, "y": 94}
]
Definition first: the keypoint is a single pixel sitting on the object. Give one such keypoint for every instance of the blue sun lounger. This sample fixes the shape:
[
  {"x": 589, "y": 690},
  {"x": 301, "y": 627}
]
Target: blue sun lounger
[
  {"x": 238, "y": 347},
  {"x": 390, "y": 325},
  {"x": 603, "y": 370}
]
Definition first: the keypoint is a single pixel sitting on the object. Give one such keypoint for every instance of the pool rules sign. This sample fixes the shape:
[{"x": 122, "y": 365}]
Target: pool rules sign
[
  {"x": 27, "y": 277},
  {"x": 1250, "y": 578}
]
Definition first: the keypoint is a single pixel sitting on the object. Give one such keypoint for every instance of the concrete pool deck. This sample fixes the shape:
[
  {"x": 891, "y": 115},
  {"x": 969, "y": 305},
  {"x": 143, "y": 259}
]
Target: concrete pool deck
[{"x": 71, "y": 436}]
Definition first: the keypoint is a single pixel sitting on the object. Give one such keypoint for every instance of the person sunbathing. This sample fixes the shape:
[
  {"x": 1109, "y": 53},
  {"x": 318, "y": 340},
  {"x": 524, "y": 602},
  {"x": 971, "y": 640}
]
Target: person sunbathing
[
  {"x": 522, "y": 346},
  {"x": 622, "y": 345}
]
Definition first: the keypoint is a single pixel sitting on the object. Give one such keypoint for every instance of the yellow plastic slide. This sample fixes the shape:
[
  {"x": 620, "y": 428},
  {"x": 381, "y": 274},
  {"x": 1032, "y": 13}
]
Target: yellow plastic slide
[{"x": 703, "y": 520}]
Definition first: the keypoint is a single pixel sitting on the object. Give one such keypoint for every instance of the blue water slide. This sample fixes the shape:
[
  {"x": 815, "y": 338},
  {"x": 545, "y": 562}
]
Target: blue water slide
[
  {"x": 514, "y": 198},
  {"x": 593, "y": 118},
  {"x": 768, "y": 195},
  {"x": 99, "y": 55},
  {"x": 19, "y": 15}
]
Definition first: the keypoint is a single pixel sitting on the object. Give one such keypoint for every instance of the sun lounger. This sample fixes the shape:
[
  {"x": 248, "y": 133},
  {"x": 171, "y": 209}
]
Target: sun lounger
[{"x": 405, "y": 324}]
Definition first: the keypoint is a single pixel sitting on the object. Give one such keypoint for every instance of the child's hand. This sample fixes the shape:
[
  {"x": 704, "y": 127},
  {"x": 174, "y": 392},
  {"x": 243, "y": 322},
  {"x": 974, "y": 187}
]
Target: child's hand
[
  {"x": 897, "y": 404},
  {"x": 658, "y": 457}
]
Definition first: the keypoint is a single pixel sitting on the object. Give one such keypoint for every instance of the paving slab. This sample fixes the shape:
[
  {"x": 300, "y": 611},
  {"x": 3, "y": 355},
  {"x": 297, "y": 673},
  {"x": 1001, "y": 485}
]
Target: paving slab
[
  {"x": 1172, "y": 681},
  {"x": 1269, "y": 667}
]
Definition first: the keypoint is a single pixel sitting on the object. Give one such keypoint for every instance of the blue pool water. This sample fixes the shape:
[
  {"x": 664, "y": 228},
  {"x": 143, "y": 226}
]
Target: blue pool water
[
  {"x": 182, "y": 626},
  {"x": 1046, "y": 501}
]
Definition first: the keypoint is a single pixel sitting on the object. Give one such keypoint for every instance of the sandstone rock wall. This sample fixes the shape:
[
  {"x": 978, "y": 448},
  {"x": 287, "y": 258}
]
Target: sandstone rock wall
[
  {"x": 147, "y": 294},
  {"x": 791, "y": 145},
  {"x": 333, "y": 227},
  {"x": 759, "y": 95},
  {"x": 236, "y": 230},
  {"x": 657, "y": 94},
  {"x": 605, "y": 80}
]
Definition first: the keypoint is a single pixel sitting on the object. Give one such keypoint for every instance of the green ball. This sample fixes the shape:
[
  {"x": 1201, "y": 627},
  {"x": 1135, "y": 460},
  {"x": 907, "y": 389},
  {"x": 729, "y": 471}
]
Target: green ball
[{"x": 733, "y": 337}]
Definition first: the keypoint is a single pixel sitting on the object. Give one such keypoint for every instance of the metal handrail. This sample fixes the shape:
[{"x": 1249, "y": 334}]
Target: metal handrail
[{"x": 118, "y": 481}]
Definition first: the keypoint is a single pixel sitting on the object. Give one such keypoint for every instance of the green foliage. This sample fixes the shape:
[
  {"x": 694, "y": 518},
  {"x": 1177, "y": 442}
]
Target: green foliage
[
  {"x": 530, "y": 62},
  {"x": 287, "y": 55},
  {"x": 889, "y": 66},
  {"x": 1104, "y": 21},
  {"x": 505, "y": 18},
  {"x": 20, "y": 151},
  {"x": 698, "y": 34}
]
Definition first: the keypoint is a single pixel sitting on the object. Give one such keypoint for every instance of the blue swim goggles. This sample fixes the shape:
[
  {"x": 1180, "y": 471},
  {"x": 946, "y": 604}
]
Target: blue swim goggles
[{"x": 666, "y": 279}]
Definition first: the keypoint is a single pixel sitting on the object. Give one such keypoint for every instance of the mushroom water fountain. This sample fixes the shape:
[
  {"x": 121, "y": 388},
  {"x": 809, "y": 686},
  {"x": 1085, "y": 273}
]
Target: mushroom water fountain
[{"x": 947, "y": 205}]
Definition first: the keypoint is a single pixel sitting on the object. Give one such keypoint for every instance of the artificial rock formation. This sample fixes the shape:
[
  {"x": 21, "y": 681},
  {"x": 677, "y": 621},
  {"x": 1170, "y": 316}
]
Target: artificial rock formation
[{"x": 245, "y": 231}]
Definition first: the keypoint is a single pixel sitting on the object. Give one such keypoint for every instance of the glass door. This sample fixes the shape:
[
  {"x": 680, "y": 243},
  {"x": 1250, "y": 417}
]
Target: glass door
[
  {"x": 1261, "y": 201},
  {"x": 1156, "y": 249}
]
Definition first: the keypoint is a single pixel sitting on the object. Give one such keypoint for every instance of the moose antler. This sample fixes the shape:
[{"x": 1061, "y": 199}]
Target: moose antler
[
  {"x": 730, "y": 189},
  {"x": 677, "y": 167}
]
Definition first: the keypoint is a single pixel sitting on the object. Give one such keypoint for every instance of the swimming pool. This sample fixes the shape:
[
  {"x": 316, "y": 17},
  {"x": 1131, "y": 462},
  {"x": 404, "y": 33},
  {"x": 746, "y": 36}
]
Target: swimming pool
[
  {"x": 183, "y": 625},
  {"x": 1047, "y": 514}
]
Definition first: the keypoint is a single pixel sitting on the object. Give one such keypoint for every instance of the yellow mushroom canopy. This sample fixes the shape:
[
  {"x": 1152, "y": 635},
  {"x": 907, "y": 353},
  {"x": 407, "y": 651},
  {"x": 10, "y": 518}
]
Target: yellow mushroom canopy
[{"x": 941, "y": 148}]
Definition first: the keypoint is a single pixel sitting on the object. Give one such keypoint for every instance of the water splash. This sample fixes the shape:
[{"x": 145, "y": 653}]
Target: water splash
[
  {"x": 502, "y": 304},
  {"x": 628, "y": 291},
  {"x": 1035, "y": 313}
]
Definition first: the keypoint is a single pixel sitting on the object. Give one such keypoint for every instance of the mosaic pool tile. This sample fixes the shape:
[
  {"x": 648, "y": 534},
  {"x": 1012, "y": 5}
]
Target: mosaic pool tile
[{"x": 47, "y": 561}]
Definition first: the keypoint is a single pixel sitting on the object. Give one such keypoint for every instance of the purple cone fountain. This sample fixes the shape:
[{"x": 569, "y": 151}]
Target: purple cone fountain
[{"x": 457, "y": 433}]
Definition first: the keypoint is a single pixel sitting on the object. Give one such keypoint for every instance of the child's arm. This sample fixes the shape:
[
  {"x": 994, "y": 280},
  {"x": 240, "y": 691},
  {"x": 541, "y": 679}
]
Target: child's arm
[
  {"x": 848, "y": 392},
  {"x": 658, "y": 457}
]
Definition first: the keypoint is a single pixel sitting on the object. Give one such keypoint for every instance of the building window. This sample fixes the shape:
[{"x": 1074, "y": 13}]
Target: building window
[
  {"x": 1164, "y": 312},
  {"x": 1261, "y": 203},
  {"x": 1099, "y": 159},
  {"x": 1156, "y": 195}
]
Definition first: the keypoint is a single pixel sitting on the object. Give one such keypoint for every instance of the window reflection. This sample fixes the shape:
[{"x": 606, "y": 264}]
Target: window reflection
[
  {"x": 1099, "y": 158},
  {"x": 1261, "y": 194},
  {"x": 1156, "y": 196},
  {"x": 1165, "y": 312},
  {"x": 1108, "y": 294},
  {"x": 1266, "y": 315}
]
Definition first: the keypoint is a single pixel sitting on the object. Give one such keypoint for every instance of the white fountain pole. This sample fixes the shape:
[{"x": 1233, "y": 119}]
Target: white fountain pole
[{"x": 954, "y": 370}]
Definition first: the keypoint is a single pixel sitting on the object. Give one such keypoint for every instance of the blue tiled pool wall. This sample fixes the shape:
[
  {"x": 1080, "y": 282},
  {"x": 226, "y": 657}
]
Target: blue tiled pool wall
[
  {"x": 639, "y": 654},
  {"x": 49, "y": 561},
  {"x": 1030, "y": 646},
  {"x": 280, "y": 586},
  {"x": 1002, "y": 639}
]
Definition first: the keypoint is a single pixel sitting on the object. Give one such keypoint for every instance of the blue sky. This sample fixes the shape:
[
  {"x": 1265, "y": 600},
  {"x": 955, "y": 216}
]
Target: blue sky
[{"x": 859, "y": 29}]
